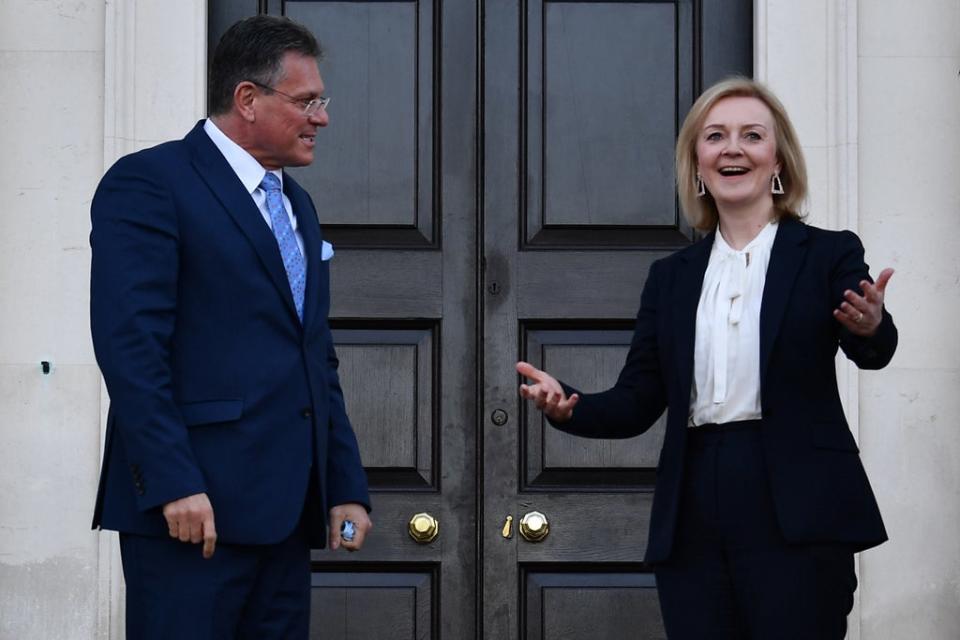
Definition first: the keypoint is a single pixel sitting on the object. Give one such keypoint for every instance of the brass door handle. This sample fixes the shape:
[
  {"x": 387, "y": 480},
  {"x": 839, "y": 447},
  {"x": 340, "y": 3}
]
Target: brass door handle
[
  {"x": 423, "y": 528},
  {"x": 534, "y": 526}
]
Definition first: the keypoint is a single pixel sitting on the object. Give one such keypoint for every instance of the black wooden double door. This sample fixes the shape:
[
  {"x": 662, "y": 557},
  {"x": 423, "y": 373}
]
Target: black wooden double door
[{"x": 496, "y": 180}]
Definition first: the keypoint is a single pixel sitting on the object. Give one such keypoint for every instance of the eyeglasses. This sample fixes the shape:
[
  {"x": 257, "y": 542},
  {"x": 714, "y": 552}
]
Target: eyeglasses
[{"x": 310, "y": 106}]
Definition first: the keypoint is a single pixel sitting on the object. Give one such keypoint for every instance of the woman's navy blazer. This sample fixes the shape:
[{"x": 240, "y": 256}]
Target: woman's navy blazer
[{"x": 819, "y": 486}]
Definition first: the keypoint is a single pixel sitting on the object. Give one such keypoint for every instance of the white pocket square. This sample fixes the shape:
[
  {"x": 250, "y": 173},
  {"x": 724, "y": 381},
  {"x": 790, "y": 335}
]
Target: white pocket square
[{"x": 326, "y": 251}]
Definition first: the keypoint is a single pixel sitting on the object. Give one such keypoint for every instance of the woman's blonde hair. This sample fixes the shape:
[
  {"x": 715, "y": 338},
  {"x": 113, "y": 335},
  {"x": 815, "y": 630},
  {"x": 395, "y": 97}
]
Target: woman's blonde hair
[{"x": 701, "y": 211}]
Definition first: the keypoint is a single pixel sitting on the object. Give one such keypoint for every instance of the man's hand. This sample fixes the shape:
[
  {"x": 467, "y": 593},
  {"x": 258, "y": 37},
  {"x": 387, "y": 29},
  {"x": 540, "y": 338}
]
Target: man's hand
[
  {"x": 355, "y": 513},
  {"x": 546, "y": 393},
  {"x": 190, "y": 519}
]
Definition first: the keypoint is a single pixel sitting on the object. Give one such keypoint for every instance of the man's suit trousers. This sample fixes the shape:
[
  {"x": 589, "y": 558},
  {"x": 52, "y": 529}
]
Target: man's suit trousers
[{"x": 250, "y": 592}]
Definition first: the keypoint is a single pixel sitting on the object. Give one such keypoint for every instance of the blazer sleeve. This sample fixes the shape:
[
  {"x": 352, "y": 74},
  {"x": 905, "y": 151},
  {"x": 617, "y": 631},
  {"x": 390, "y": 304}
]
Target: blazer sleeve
[
  {"x": 639, "y": 397},
  {"x": 849, "y": 270},
  {"x": 346, "y": 478},
  {"x": 133, "y": 301}
]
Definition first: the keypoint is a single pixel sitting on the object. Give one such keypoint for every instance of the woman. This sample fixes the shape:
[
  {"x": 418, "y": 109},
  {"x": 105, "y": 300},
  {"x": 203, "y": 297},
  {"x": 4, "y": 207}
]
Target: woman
[{"x": 761, "y": 499}]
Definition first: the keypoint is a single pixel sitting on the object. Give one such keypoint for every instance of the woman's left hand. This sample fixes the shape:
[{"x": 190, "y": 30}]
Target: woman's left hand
[{"x": 861, "y": 315}]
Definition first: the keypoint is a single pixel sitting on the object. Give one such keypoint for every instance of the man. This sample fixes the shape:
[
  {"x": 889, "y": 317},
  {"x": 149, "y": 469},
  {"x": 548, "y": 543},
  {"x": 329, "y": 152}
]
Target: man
[{"x": 209, "y": 302}]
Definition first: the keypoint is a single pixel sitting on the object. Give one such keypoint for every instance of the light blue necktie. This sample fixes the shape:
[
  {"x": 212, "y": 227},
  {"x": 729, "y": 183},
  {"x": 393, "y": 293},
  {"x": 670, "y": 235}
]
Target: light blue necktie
[{"x": 293, "y": 261}]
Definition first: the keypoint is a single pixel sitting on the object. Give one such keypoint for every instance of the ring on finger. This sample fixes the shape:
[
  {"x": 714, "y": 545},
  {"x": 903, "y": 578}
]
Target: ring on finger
[{"x": 859, "y": 318}]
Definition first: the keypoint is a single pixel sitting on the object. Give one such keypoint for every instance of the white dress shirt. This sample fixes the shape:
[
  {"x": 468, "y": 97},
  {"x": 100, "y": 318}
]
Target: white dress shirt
[
  {"x": 726, "y": 360},
  {"x": 251, "y": 175}
]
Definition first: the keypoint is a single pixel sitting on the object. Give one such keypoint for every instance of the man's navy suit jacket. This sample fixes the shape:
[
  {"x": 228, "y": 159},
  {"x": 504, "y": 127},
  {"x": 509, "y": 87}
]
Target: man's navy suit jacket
[
  {"x": 820, "y": 490},
  {"x": 215, "y": 385}
]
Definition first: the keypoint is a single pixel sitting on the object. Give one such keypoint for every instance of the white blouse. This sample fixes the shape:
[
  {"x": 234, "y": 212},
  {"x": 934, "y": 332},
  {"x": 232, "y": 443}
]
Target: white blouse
[{"x": 726, "y": 360}]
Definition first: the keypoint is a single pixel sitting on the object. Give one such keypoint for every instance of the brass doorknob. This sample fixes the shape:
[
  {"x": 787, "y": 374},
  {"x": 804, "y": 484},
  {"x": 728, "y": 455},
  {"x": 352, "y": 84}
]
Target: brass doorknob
[
  {"x": 423, "y": 528},
  {"x": 534, "y": 526}
]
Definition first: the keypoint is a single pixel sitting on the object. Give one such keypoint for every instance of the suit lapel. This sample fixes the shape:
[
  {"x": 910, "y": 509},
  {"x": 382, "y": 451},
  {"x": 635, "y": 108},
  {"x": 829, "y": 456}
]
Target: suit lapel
[
  {"x": 786, "y": 257},
  {"x": 686, "y": 299},
  {"x": 309, "y": 228},
  {"x": 227, "y": 188}
]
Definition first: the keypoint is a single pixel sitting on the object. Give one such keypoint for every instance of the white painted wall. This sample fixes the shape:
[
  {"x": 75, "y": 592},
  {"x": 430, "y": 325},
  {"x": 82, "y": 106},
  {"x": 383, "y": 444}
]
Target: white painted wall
[
  {"x": 872, "y": 86},
  {"x": 909, "y": 61},
  {"x": 874, "y": 90},
  {"x": 51, "y": 124},
  {"x": 81, "y": 83}
]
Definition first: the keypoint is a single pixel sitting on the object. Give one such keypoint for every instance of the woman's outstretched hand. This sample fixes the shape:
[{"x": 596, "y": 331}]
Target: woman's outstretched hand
[
  {"x": 546, "y": 393},
  {"x": 861, "y": 315}
]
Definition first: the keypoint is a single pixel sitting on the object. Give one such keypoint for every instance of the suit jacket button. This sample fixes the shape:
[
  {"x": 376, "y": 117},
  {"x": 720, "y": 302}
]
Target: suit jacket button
[{"x": 307, "y": 413}]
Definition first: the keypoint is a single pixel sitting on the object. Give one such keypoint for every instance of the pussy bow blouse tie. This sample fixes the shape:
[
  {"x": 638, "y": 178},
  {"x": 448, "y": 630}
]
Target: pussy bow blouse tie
[{"x": 725, "y": 296}]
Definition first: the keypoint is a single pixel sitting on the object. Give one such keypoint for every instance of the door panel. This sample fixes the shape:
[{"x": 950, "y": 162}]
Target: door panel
[
  {"x": 568, "y": 606},
  {"x": 582, "y": 104},
  {"x": 586, "y": 359},
  {"x": 600, "y": 84},
  {"x": 342, "y": 603},
  {"x": 363, "y": 281},
  {"x": 395, "y": 189},
  {"x": 600, "y": 142},
  {"x": 399, "y": 434},
  {"x": 376, "y": 169}
]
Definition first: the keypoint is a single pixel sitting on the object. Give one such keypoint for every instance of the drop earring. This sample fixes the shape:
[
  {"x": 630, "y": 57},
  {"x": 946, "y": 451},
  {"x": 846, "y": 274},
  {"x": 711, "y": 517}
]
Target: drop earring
[
  {"x": 776, "y": 186},
  {"x": 701, "y": 188}
]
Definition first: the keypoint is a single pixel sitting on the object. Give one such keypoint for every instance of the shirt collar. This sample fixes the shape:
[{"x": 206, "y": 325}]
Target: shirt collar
[
  {"x": 762, "y": 240},
  {"x": 243, "y": 164}
]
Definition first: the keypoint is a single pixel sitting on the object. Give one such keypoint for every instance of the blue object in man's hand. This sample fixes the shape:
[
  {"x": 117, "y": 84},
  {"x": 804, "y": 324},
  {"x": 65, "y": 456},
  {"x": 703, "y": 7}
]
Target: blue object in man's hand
[{"x": 347, "y": 530}]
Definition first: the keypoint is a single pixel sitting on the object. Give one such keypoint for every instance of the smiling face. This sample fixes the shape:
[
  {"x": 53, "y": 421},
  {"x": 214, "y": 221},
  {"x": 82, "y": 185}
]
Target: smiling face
[
  {"x": 737, "y": 153},
  {"x": 281, "y": 135}
]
